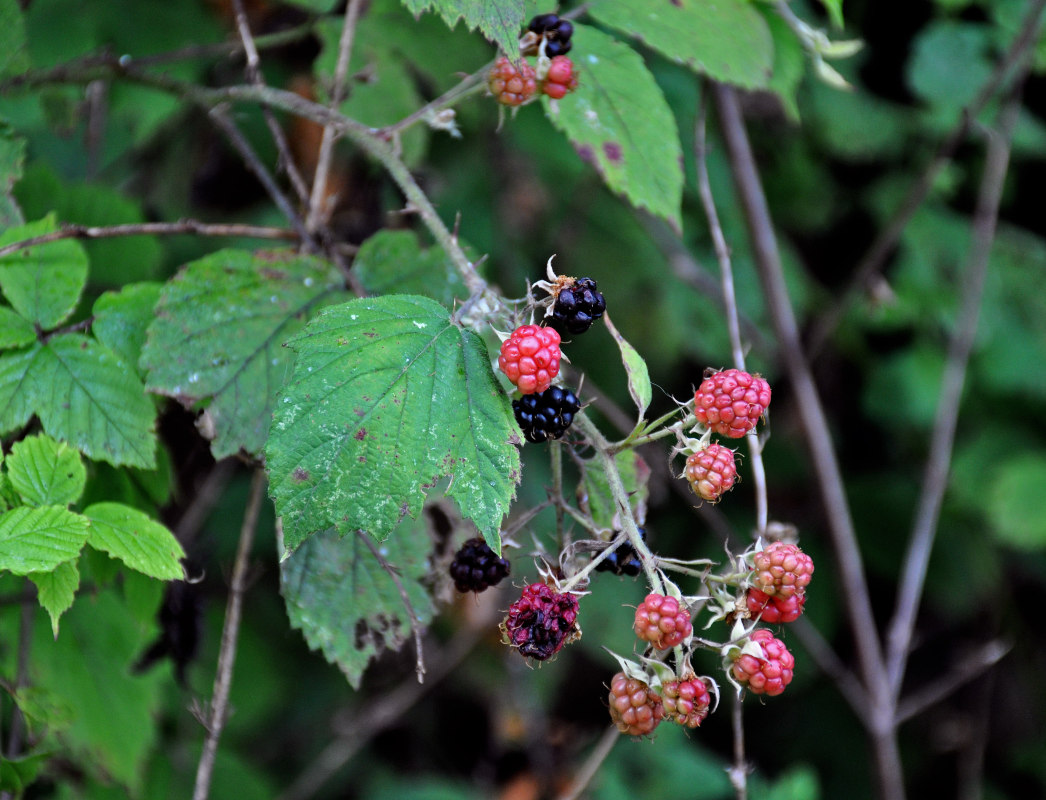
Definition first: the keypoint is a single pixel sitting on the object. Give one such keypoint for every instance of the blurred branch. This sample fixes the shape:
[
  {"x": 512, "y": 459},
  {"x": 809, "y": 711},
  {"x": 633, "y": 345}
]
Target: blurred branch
[
  {"x": 738, "y": 772},
  {"x": 815, "y": 425},
  {"x": 726, "y": 275},
  {"x": 595, "y": 760},
  {"x": 942, "y": 439},
  {"x": 184, "y": 226},
  {"x": 829, "y": 663},
  {"x": 874, "y": 260},
  {"x": 219, "y": 706},
  {"x": 318, "y": 210}
]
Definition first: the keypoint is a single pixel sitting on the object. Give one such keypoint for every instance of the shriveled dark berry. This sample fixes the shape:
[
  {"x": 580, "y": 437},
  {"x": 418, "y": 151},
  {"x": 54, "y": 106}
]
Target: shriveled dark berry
[
  {"x": 541, "y": 621},
  {"x": 624, "y": 560},
  {"x": 546, "y": 415},
  {"x": 577, "y": 306},
  {"x": 542, "y": 22},
  {"x": 476, "y": 567}
]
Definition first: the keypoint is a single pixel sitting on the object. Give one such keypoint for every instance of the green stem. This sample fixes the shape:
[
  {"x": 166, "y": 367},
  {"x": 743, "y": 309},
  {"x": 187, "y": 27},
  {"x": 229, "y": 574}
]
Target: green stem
[
  {"x": 556, "y": 465},
  {"x": 617, "y": 490}
]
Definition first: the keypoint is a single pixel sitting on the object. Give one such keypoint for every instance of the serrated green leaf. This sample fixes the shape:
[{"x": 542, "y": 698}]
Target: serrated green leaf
[
  {"x": 218, "y": 334},
  {"x": 56, "y": 590},
  {"x": 122, "y": 318},
  {"x": 15, "y": 330},
  {"x": 344, "y": 601},
  {"x": 45, "y": 472},
  {"x": 39, "y": 539},
  {"x": 1014, "y": 502},
  {"x": 13, "y": 55},
  {"x": 635, "y": 475},
  {"x": 789, "y": 62},
  {"x": 43, "y": 283},
  {"x": 619, "y": 121},
  {"x": 728, "y": 41},
  {"x": 387, "y": 397},
  {"x": 394, "y": 262},
  {"x": 136, "y": 539},
  {"x": 16, "y": 402},
  {"x": 85, "y": 395},
  {"x": 501, "y": 21},
  {"x": 635, "y": 367}
]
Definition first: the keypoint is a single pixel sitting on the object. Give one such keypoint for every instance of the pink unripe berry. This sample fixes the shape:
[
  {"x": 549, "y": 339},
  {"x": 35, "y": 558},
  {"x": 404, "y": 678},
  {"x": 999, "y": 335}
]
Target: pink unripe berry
[
  {"x": 768, "y": 675},
  {"x": 660, "y": 621}
]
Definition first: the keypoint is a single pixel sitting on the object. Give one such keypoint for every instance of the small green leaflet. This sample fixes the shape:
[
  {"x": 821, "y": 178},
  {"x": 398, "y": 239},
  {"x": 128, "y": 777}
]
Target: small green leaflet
[
  {"x": 635, "y": 367},
  {"x": 46, "y": 472},
  {"x": 121, "y": 319},
  {"x": 15, "y": 330},
  {"x": 393, "y": 262},
  {"x": 136, "y": 539},
  {"x": 387, "y": 397},
  {"x": 835, "y": 11},
  {"x": 55, "y": 590},
  {"x": 727, "y": 40},
  {"x": 501, "y": 21},
  {"x": 619, "y": 121},
  {"x": 344, "y": 601},
  {"x": 43, "y": 283},
  {"x": 14, "y": 56},
  {"x": 39, "y": 539},
  {"x": 218, "y": 334},
  {"x": 635, "y": 475}
]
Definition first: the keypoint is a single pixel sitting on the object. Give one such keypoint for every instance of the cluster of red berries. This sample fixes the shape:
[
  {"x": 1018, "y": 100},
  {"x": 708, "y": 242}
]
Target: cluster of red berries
[
  {"x": 780, "y": 576},
  {"x": 729, "y": 403},
  {"x": 637, "y": 709},
  {"x": 541, "y": 621},
  {"x": 548, "y": 37}
]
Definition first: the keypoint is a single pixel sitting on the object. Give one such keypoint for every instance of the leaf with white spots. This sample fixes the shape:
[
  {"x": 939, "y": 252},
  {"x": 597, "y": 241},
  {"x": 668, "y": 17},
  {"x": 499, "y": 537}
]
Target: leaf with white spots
[
  {"x": 619, "y": 121},
  {"x": 216, "y": 342},
  {"x": 388, "y": 396}
]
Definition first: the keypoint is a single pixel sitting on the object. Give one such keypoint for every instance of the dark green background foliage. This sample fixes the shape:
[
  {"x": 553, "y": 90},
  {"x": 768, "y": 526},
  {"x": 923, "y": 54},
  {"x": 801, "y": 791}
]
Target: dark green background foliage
[{"x": 160, "y": 360}]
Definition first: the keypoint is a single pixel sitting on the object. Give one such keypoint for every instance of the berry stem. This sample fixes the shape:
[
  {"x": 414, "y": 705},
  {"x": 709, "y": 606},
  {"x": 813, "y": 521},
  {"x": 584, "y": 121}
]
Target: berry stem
[
  {"x": 644, "y": 433},
  {"x": 617, "y": 490},
  {"x": 581, "y": 575},
  {"x": 555, "y": 457}
]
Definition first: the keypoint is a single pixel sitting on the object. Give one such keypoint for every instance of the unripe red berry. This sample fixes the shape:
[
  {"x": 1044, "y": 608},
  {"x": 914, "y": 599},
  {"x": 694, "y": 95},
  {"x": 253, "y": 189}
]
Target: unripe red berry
[
  {"x": 660, "y": 621},
  {"x": 530, "y": 358},
  {"x": 782, "y": 569},
  {"x": 711, "y": 472},
  {"x": 509, "y": 85},
  {"x": 685, "y": 700},
  {"x": 635, "y": 708},
  {"x": 769, "y": 674},
  {"x": 731, "y": 402},
  {"x": 560, "y": 79},
  {"x": 775, "y": 610}
]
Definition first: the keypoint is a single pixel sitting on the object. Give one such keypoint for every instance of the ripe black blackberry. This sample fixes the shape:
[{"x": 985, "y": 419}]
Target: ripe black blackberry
[
  {"x": 577, "y": 306},
  {"x": 546, "y": 415},
  {"x": 475, "y": 567},
  {"x": 555, "y": 31},
  {"x": 542, "y": 22},
  {"x": 624, "y": 560}
]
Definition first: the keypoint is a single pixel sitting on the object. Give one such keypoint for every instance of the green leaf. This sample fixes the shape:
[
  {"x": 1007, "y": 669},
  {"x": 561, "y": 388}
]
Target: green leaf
[
  {"x": 394, "y": 262},
  {"x": 501, "y": 21},
  {"x": 12, "y": 159},
  {"x": 218, "y": 334},
  {"x": 136, "y": 539},
  {"x": 44, "y": 282},
  {"x": 345, "y": 602},
  {"x": 13, "y": 55},
  {"x": 635, "y": 367},
  {"x": 387, "y": 396},
  {"x": 45, "y": 472},
  {"x": 15, "y": 330},
  {"x": 86, "y": 395},
  {"x": 122, "y": 318},
  {"x": 949, "y": 62},
  {"x": 789, "y": 62},
  {"x": 316, "y": 6},
  {"x": 39, "y": 539},
  {"x": 835, "y": 11},
  {"x": 16, "y": 402},
  {"x": 1015, "y": 506},
  {"x": 635, "y": 475},
  {"x": 17, "y": 773},
  {"x": 619, "y": 121},
  {"x": 728, "y": 41},
  {"x": 56, "y": 590}
]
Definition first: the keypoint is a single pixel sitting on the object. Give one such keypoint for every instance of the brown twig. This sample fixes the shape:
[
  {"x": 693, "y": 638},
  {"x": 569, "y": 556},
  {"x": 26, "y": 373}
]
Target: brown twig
[
  {"x": 587, "y": 771},
  {"x": 738, "y": 772},
  {"x": 884, "y": 244},
  {"x": 815, "y": 426},
  {"x": 415, "y": 623},
  {"x": 942, "y": 439},
  {"x": 219, "y": 706},
  {"x": 185, "y": 226}
]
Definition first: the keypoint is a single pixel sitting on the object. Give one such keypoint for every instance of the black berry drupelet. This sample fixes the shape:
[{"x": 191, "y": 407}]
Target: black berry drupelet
[
  {"x": 555, "y": 31},
  {"x": 542, "y": 22},
  {"x": 623, "y": 560},
  {"x": 546, "y": 415},
  {"x": 577, "y": 306},
  {"x": 476, "y": 567}
]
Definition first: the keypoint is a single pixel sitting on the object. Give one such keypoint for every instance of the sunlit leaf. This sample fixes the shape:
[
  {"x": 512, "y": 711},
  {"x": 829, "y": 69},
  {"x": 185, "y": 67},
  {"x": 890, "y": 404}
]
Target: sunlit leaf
[
  {"x": 46, "y": 472},
  {"x": 39, "y": 539}
]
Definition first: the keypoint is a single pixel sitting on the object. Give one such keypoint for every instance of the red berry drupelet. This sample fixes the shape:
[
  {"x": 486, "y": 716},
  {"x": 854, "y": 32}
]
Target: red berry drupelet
[
  {"x": 768, "y": 675},
  {"x": 530, "y": 358},
  {"x": 476, "y": 567},
  {"x": 775, "y": 610},
  {"x": 711, "y": 472},
  {"x": 686, "y": 701},
  {"x": 561, "y": 79},
  {"x": 731, "y": 402},
  {"x": 661, "y": 621},
  {"x": 541, "y": 621},
  {"x": 782, "y": 570},
  {"x": 635, "y": 708},
  {"x": 546, "y": 415},
  {"x": 509, "y": 85}
]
